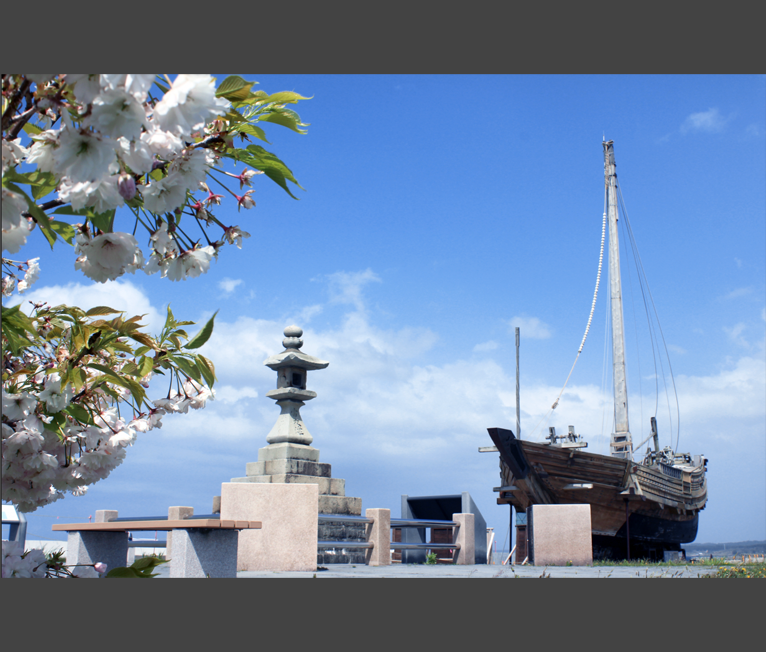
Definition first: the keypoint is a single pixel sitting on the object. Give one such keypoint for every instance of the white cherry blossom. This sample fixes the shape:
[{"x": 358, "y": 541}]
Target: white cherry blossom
[
  {"x": 15, "y": 237},
  {"x": 137, "y": 85},
  {"x": 41, "y": 152},
  {"x": 109, "y": 256},
  {"x": 166, "y": 194},
  {"x": 189, "y": 104},
  {"x": 55, "y": 398},
  {"x": 31, "y": 275},
  {"x": 116, "y": 114},
  {"x": 82, "y": 155},
  {"x": 13, "y": 153}
]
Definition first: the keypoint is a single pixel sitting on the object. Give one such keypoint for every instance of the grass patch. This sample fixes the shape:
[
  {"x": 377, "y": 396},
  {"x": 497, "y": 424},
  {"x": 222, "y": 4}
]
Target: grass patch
[
  {"x": 660, "y": 564},
  {"x": 745, "y": 571}
]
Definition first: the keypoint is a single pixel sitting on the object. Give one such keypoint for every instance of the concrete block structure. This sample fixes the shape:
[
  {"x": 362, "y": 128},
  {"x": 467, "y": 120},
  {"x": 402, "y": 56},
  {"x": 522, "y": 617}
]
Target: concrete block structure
[
  {"x": 559, "y": 534},
  {"x": 289, "y": 513}
]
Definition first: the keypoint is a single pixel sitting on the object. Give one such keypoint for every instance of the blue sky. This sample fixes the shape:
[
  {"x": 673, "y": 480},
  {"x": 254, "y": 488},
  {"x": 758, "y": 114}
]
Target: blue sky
[{"x": 439, "y": 212}]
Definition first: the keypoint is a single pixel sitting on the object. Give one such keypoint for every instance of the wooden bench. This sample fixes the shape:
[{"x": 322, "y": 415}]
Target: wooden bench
[{"x": 201, "y": 547}]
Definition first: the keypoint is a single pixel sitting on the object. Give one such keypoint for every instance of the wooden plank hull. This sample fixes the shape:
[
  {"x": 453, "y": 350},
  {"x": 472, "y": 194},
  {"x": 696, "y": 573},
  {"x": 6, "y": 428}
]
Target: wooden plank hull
[{"x": 656, "y": 506}]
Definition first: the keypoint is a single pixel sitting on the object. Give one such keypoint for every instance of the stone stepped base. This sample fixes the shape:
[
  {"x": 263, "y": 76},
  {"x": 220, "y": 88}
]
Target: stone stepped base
[
  {"x": 344, "y": 532},
  {"x": 295, "y": 463}
]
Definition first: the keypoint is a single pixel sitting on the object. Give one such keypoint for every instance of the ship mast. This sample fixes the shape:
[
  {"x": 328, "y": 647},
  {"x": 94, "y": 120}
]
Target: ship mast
[{"x": 621, "y": 444}]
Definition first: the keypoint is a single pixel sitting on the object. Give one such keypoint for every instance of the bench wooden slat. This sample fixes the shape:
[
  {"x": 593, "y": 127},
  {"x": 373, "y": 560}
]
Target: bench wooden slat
[{"x": 185, "y": 524}]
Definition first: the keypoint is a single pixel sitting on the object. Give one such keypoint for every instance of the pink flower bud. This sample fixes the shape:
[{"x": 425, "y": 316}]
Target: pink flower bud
[
  {"x": 100, "y": 567},
  {"x": 127, "y": 187}
]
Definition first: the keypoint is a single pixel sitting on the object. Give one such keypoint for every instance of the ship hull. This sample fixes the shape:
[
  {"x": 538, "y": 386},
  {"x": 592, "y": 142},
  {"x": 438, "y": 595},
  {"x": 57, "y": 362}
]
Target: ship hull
[{"x": 654, "y": 507}]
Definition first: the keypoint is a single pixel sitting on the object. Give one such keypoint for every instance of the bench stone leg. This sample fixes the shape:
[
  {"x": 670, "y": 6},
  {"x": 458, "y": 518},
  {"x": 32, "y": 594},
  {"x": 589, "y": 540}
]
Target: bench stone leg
[
  {"x": 204, "y": 553},
  {"x": 110, "y": 548}
]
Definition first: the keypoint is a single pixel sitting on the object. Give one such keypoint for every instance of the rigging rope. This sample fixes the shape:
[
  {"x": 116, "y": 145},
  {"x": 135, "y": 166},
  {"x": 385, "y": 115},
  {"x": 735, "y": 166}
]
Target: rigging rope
[
  {"x": 592, "y": 307},
  {"x": 590, "y": 317},
  {"x": 645, "y": 291}
]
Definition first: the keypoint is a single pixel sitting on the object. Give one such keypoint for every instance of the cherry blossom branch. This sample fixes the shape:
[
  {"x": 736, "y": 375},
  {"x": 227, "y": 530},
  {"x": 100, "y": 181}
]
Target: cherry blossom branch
[
  {"x": 14, "y": 102},
  {"x": 19, "y": 121}
]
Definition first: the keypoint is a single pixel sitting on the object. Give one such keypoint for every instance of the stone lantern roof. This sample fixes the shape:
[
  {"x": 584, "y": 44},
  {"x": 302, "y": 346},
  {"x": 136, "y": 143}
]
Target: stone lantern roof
[{"x": 291, "y": 356}]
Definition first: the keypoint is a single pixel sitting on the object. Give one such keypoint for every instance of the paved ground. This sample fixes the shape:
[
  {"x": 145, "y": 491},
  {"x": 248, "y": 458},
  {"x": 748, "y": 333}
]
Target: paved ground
[{"x": 421, "y": 571}]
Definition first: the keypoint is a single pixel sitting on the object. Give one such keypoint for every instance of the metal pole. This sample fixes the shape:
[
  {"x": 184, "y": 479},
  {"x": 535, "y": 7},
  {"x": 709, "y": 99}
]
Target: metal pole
[{"x": 518, "y": 409}]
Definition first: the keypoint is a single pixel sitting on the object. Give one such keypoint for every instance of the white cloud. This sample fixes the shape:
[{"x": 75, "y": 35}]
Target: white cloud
[
  {"x": 485, "y": 347},
  {"x": 346, "y": 287},
  {"x": 531, "y": 327},
  {"x": 739, "y": 292},
  {"x": 307, "y": 314},
  {"x": 710, "y": 121},
  {"x": 735, "y": 334},
  {"x": 228, "y": 285},
  {"x": 120, "y": 295},
  {"x": 676, "y": 349},
  {"x": 228, "y": 394}
]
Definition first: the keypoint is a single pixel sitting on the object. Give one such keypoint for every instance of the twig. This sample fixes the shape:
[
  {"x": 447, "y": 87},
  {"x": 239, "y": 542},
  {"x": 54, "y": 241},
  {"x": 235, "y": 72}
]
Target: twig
[{"x": 13, "y": 103}]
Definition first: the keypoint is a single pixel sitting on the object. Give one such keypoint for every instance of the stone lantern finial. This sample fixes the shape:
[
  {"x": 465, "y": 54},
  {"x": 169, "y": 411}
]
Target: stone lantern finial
[{"x": 292, "y": 368}]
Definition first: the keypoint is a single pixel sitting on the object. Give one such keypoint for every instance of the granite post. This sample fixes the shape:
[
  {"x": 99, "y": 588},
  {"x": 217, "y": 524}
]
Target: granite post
[
  {"x": 464, "y": 537},
  {"x": 175, "y": 514},
  {"x": 204, "y": 553},
  {"x": 379, "y": 534}
]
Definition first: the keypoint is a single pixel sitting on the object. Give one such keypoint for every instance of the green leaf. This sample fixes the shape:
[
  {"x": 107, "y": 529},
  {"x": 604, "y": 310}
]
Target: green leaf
[
  {"x": 234, "y": 116},
  {"x": 79, "y": 413},
  {"x": 144, "y": 339},
  {"x": 68, "y": 210},
  {"x": 147, "y": 563},
  {"x": 203, "y": 336},
  {"x": 31, "y": 129},
  {"x": 261, "y": 159},
  {"x": 131, "y": 385},
  {"x": 283, "y": 117},
  {"x": 43, "y": 183},
  {"x": 186, "y": 366},
  {"x": 170, "y": 320},
  {"x": 103, "y": 221},
  {"x": 234, "y": 88},
  {"x": 206, "y": 369},
  {"x": 101, "y": 310},
  {"x": 286, "y": 97},
  {"x": 130, "y": 572},
  {"x": 131, "y": 368},
  {"x": 252, "y": 130},
  {"x": 35, "y": 211},
  {"x": 145, "y": 366},
  {"x": 64, "y": 230},
  {"x": 161, "y": 85}
]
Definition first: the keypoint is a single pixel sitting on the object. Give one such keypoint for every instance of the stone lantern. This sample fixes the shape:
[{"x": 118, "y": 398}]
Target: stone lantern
[
  {"x": 289, "y": 457},
  {"x": 292, "y": 367}
]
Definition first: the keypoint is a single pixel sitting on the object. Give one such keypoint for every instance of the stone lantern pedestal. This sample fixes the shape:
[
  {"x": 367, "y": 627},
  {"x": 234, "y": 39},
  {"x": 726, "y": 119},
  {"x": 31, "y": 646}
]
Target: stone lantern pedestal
[{"x": 290, "y": 459}]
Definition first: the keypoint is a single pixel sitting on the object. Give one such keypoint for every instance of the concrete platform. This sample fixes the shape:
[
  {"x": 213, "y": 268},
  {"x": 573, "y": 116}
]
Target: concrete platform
[{"x": 480, "y": 571}]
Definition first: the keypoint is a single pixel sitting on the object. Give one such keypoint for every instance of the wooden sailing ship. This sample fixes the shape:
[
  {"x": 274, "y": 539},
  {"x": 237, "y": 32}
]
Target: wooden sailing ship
[{"x": 638, "y": 509}]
